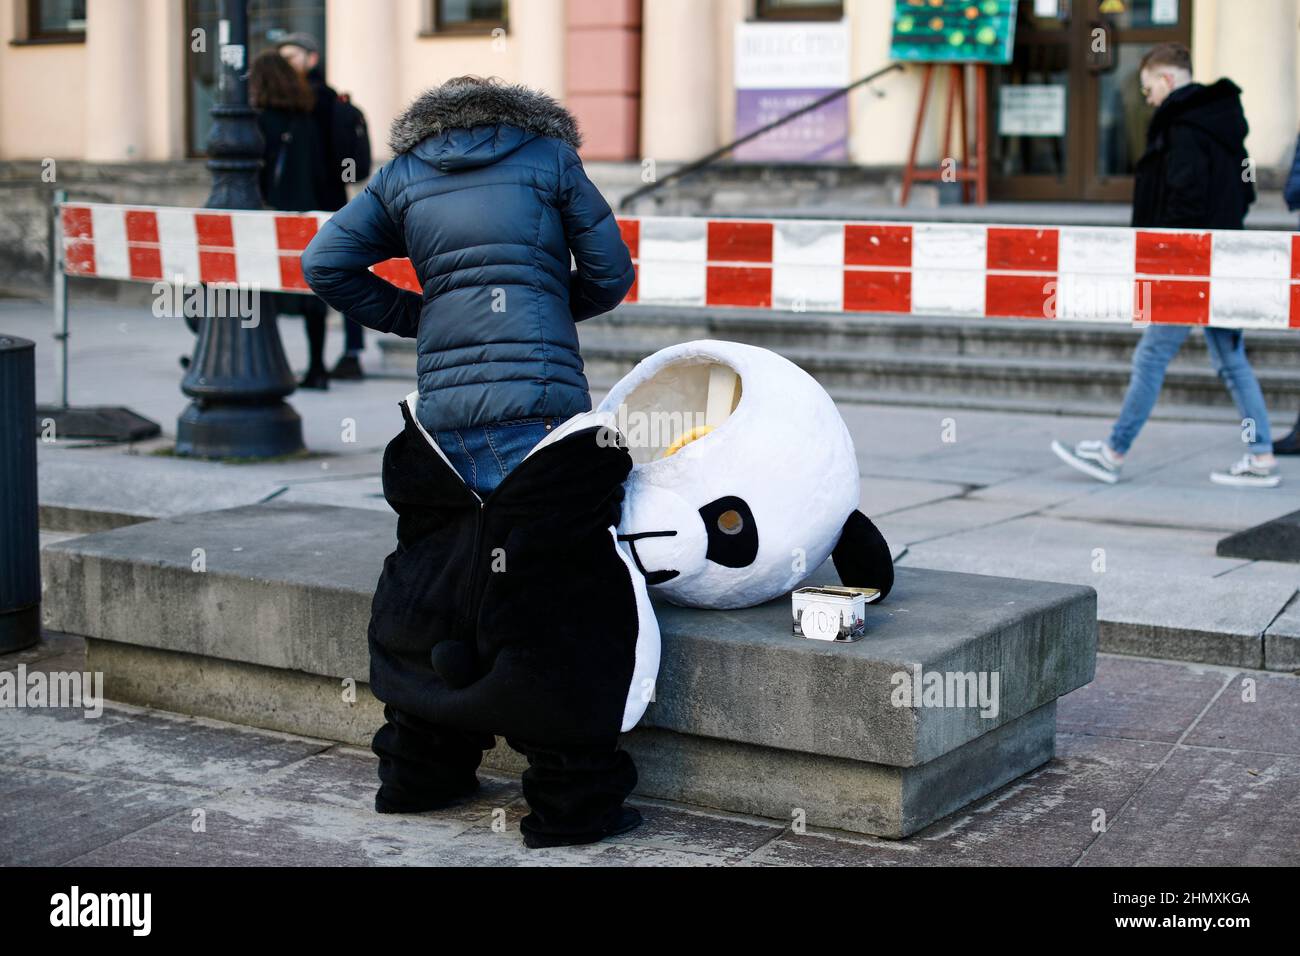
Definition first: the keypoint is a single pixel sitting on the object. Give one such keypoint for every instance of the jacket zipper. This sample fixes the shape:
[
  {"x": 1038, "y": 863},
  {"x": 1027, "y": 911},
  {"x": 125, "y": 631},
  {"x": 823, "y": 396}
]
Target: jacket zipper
[{"x": 468, "y": 603}]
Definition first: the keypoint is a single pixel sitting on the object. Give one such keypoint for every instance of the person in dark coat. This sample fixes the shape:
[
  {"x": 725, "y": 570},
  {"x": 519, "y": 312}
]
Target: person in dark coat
[
  {"x": 293, "y": 178},
  {"x": 302, "y": 51},
  {"x": 508, "y": 607},
  {"x": 1290, "y": 445},
  {"x": 1193, "y": 174}
]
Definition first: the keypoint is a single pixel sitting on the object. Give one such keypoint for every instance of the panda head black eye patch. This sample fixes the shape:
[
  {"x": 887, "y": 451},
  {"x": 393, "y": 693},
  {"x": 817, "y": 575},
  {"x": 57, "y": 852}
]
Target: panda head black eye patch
[{"x": 732, "y": 532}]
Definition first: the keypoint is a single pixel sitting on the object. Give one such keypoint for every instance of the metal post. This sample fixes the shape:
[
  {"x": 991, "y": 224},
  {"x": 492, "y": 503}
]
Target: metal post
[
  {"x": 61, "y": 420},
  {"x": 238, "y": 377},
  {"x": 60, "y": 284}
]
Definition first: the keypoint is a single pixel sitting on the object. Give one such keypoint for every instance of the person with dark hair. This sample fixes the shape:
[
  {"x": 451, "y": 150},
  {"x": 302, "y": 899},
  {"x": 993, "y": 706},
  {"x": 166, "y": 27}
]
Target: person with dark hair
[
  {"x": 1193, "y": 174},
  {"x": 343, "y": 139},
  {"x": 508, "y": 608},
  {"x": 292, "y": 178}
]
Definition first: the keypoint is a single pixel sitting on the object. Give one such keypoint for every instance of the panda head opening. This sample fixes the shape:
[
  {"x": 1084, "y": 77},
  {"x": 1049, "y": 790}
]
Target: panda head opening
[{"x": 745, "y": 478}]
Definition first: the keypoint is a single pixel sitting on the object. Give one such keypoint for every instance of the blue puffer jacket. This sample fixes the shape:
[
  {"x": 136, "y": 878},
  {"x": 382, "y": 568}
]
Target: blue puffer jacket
[{"x": 487, "y": 196}]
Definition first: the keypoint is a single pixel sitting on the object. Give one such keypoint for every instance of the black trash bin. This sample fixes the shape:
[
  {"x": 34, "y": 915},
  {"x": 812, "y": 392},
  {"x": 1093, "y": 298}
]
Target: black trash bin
[{"x": 20, "y": 547}]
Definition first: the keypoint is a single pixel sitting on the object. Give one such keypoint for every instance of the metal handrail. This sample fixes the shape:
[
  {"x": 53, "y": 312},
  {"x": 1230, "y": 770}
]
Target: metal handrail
[{"x": 703, "y": 161}]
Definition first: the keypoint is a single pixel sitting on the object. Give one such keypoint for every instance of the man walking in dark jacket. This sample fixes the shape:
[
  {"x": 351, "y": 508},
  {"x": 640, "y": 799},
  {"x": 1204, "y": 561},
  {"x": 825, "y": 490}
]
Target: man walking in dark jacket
[
  {"x": 1192, "y": 175},
  {"x": 303, "y": 52}
]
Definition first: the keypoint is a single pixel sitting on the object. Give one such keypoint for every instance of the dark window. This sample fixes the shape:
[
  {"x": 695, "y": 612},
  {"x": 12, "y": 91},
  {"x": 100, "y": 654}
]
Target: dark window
[
  {"x": 799, "y": 10},
  {"x": 268, "y": 21},
  {"x": 56, "y": 19},
  {"x": 468, "y": 16}
]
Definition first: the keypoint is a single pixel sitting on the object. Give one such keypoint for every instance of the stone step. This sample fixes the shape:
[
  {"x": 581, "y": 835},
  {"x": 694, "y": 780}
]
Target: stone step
[
  {"x": 747, "y": 717},
  {"x": 928, "y": 335},
  {"x": 992, "y": 364}
]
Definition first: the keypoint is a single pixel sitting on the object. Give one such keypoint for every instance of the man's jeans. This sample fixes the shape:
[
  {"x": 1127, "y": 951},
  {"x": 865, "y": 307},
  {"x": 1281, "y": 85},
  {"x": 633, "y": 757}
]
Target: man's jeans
[
  {"x": 485, "y": 454},
  {"x": 1159, "y": 345}
]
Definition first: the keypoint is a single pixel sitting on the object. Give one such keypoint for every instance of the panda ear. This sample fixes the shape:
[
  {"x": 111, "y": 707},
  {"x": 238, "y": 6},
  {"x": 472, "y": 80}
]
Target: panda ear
[{"x": 862, "y": 557}]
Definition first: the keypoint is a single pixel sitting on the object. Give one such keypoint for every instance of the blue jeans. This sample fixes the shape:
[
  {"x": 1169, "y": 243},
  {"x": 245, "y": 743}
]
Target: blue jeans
[
  {"x": 485, "y": 454},
  {"x": 1159, "y": 345}
]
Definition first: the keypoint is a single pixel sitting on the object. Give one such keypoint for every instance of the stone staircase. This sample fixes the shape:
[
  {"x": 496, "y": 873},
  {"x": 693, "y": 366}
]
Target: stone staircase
[{"x": 1061, "y": 367}]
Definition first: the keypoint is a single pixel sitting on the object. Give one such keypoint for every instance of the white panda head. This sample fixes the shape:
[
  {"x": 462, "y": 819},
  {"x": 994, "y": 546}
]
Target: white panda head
[{"x": 744, "y": 478}]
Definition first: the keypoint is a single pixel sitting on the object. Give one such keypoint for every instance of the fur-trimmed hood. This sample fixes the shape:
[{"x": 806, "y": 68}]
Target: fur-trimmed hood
[{"x": 466, "y": 105}]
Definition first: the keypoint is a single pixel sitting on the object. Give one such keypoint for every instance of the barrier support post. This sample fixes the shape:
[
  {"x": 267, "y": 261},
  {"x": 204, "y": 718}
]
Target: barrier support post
[{"x": 112, "y": 423}]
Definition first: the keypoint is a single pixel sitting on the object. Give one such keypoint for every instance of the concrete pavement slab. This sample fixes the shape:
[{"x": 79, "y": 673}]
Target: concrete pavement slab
[
  {"x": 48, "y": 818},
  {"x": 1140, "y": 699},
  {"x": 142, "y": 745},
  {"x": 241, "y": 830},
  {"x": 1044, "y": 818},
  {"x": 1255, "y": 712},
  {"x": 1209, "y": 808},
  {"x": 882, "y": 496}
]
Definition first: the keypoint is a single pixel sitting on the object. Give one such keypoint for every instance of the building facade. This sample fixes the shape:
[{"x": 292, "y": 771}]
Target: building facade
[{"x": 123, "y": 81}]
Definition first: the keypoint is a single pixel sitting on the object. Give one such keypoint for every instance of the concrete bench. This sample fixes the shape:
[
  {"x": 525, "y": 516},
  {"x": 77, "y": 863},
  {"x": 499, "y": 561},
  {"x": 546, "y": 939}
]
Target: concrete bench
[{"x": 747, "y": 717}]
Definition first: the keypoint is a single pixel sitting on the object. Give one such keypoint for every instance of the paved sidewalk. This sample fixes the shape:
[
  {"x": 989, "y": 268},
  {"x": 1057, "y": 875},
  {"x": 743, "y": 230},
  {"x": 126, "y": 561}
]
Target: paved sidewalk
[{"x": 1167, "y": 759}]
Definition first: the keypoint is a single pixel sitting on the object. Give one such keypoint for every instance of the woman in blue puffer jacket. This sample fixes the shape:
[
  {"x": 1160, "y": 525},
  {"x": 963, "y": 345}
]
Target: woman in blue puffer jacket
[
  {"x": 487, "y": 196},
  {"x": 507, "y": 608}
]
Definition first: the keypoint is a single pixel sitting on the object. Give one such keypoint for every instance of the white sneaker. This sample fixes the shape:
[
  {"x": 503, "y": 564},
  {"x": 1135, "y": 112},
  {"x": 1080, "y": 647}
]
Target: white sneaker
[
  {"x": 1248, "y": 473},
  {"x": 1093, "y": 458}
]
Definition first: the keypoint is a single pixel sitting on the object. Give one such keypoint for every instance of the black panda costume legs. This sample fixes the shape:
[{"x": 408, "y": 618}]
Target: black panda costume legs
[
  {"x": 516, "y": 615},
  {"x": 423, "y": 766},
  {"x": 574, "y": 795}
]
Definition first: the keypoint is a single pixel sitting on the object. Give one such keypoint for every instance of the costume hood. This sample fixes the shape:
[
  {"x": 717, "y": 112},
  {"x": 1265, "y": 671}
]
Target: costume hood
[{"x": 463, "y": 125}]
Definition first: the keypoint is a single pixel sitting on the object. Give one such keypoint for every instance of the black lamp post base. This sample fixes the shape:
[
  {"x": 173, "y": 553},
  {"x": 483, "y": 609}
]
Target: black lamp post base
[{"x": 239, "y": 431}]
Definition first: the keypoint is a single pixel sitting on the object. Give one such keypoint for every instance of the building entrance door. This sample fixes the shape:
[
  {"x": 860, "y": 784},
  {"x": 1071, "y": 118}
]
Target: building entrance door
[{"x": 1067, "y": 118}]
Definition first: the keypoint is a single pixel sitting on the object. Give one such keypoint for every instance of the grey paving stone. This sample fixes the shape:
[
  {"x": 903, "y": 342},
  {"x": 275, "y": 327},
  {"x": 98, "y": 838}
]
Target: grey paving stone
[
  {"x": 343, "y": 777},
  {"x": 160, "y": 748},
  {"x": 1043, "y": 819},
  {"x": 1209, "y": 808},
  {"x": 1268, "y": 723},
  {"x": 67, "y": 648},
  {"x": 1138, "y": 699},
  {"x": 938, "y": 520},
  {"x": 48, "y": 818},
  {"x": 1182, "y": 495},
  {"x": 1163, "y": 592},
  {"x": 243, "y": 830},
  {"x": 886, "y": 495},
  {"x": 672, "y": 828}
]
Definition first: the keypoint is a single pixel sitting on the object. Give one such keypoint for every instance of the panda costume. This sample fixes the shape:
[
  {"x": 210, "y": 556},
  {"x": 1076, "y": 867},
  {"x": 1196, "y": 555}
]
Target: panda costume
[{"x": 515, "y": 615}]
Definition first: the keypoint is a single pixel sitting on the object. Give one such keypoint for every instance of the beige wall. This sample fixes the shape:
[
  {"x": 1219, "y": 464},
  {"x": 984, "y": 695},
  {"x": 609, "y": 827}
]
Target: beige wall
[
  {"x": 121, "y": 95},
  {"x": 42, "y": 104}
]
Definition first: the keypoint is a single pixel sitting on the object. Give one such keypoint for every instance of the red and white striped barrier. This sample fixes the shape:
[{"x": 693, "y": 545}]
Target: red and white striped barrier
[{"x": 1232, "y": 279}]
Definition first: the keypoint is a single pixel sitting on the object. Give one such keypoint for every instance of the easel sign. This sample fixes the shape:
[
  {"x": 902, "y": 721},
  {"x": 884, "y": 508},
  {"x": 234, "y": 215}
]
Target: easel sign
[{"x": 958, "y": 34}]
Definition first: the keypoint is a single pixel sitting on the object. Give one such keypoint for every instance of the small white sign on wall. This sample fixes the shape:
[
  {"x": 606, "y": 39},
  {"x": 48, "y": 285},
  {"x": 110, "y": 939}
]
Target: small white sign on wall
[
  {"x": 1031, "y": 110},
  {"x": 1164, "y": 12}
]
